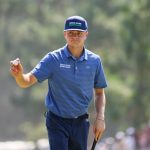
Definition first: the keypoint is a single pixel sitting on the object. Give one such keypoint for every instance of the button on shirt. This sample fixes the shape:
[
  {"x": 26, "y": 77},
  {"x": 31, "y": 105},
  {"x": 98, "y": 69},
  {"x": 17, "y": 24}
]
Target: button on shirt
[{"x": 70, "y": 81}]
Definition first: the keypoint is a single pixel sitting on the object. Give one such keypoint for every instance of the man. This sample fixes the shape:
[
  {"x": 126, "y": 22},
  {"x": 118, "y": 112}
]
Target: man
[{"x": 72, "y": 72}]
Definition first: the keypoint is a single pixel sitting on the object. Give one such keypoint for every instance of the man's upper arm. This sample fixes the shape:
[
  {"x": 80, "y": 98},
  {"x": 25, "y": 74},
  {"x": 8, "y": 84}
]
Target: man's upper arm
[
  {"x": 100, "y": 80},
  {"x": 99, "y": 91}
]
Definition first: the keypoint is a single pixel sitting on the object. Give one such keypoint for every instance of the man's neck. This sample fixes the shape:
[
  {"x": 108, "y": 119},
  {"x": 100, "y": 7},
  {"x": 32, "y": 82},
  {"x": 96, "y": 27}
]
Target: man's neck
[{"x": 76, "y": 51}]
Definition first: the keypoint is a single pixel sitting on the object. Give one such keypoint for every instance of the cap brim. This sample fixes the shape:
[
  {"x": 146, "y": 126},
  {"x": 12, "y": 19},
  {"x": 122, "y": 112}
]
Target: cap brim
[{"x": 75, "y": 30}]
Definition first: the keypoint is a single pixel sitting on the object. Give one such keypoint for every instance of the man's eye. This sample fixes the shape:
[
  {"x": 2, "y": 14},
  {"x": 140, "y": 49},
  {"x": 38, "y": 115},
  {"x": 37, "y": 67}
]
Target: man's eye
[
  {"x": 79, "y": 34},
  {"x": 70, "y": 34}
]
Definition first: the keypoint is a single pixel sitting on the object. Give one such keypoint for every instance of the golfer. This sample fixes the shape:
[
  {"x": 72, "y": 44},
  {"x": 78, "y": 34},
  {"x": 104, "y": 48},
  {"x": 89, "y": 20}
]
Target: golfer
[{"x": 75, "y": 75}]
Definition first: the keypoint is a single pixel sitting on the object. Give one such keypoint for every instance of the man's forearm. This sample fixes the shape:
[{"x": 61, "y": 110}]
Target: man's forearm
[
  {"x": 100, "y": 103},
  {"x": 25, "y": 80}
]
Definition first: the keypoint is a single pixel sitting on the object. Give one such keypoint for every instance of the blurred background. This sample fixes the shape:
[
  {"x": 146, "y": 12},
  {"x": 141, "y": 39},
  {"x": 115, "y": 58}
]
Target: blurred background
[{"x": 119, "y": 31}]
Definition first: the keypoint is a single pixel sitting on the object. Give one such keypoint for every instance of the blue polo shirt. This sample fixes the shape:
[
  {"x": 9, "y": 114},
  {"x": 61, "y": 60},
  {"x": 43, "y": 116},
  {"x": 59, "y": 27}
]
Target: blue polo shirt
[{"x": 70, "y": 81}]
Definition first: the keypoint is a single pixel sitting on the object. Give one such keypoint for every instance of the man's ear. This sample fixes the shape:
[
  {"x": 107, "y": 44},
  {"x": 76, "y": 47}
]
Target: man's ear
[
  {"x": 64, "y": 33},
  {"x": 87, "y": 33}
]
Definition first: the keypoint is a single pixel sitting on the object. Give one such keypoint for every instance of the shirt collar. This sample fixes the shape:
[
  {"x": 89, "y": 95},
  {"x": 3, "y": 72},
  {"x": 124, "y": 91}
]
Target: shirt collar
[{"x": 68, "y": 54}]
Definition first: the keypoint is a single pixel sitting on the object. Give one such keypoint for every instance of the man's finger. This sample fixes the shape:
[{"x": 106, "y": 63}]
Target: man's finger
[{"x": 98, "y": 135}]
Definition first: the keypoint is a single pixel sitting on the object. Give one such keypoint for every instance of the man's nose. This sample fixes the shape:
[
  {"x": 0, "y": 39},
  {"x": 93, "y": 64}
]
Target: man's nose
[{"x": 75, "y": 36}]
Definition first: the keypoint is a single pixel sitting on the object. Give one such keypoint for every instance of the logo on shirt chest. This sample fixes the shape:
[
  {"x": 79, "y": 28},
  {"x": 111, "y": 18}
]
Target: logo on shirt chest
[{"x": 65, "y": 66}]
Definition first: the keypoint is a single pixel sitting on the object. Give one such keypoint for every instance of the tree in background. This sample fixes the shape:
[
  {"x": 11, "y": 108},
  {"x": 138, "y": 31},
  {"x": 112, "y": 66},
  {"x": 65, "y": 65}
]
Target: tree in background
[{"x": 135, "y": 37}]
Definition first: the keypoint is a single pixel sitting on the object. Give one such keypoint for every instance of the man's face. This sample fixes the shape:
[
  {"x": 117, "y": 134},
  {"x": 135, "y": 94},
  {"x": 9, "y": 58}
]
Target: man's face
[{"x": 75, "y": 38}]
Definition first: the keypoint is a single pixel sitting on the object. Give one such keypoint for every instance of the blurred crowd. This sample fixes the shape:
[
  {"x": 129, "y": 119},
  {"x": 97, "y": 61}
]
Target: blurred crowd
[
  {"x": 41, "y": 144},
  {"x": 131, "y": 139}
]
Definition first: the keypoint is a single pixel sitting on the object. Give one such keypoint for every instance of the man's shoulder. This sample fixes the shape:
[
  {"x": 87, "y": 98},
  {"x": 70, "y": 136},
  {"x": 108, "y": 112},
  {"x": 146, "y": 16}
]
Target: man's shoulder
[
  {"x": 57, "y": 51},
  {"x": 92, "y": 55},
  {"x": 52, "y": 55}
]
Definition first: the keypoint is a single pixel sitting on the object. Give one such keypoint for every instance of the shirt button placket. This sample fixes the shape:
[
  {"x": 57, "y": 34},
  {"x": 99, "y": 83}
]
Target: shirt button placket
[{"x": 75, "y": 68}]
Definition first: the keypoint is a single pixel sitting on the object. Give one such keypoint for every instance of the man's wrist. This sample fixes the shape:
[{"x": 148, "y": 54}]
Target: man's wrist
[
  {"x": 101, "y": 119},
  {"x": 100, "y": 116}
]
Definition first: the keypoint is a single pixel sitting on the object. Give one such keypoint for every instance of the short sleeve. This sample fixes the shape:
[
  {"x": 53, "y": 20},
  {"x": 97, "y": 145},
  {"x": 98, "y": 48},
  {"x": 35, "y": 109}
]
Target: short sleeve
[
  {"x": 100, "y": 79},
  {"x": 43, "y": 70}
]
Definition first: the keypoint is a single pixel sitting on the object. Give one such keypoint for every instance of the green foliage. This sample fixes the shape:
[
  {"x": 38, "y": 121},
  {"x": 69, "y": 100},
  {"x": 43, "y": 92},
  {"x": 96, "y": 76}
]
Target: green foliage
[
  {"x": 135, "y": 38},
  {"x": 38, "y": 131}
]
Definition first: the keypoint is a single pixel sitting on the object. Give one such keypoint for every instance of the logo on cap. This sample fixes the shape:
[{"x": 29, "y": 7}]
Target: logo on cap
[{"x": 75, "y": 24}]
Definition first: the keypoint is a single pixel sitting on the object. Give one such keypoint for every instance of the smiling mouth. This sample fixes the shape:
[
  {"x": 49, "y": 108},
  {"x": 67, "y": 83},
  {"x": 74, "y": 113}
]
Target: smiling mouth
[{"x": 75, "y": 40}]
